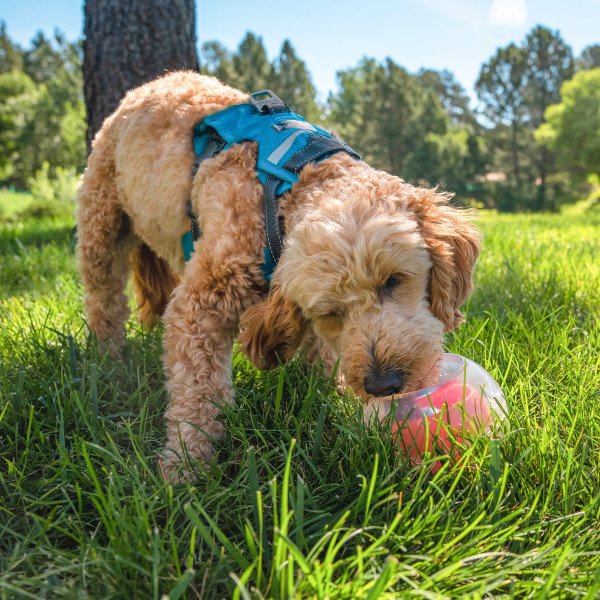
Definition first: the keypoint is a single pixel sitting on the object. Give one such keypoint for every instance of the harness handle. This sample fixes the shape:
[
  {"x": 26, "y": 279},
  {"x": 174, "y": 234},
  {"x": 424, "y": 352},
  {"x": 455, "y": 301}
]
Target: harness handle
[{"x": 268, "y": 103}]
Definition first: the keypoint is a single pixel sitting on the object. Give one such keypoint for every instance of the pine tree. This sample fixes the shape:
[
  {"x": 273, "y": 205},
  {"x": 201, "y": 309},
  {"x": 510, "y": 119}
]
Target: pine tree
[
  {"x": 550, "y": 64},
  {"x": 251, "y": 67},
  {"x": 293, "y": 83},
  {"x": 11, "y": 55},
  {"x": 589, "y": 58},
  {"x": 501, "y": 89}
]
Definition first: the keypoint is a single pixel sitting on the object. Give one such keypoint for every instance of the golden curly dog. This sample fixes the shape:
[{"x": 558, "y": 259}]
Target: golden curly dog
[{"x": 373, "y": 269}]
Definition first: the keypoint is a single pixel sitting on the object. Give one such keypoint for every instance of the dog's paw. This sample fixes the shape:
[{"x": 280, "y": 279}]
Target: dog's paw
[
  {"x": 176, "y": 472},
  {"x": 114, "y": 348},
  {"x": 175, "y": 467}
]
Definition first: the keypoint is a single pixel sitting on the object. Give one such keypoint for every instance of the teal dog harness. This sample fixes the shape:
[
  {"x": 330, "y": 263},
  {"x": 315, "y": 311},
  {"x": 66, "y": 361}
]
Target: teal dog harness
[{"x": 287, "y": 142}]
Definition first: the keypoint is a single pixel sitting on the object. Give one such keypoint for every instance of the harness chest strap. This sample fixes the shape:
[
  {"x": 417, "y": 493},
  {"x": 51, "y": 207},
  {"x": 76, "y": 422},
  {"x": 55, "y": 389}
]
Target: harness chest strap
[{"x": 286, "y": 144}]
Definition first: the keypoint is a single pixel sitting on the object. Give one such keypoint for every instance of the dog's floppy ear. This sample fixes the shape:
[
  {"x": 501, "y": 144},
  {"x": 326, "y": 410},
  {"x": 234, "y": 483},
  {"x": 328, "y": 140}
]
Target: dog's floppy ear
[
  {"x": 453, "y": 244},
  {"x": 272, "y": 330}
]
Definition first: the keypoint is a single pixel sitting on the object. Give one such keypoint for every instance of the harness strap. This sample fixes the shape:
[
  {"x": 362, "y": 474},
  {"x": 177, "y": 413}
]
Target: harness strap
[
  {"x": 272, "y": 224},
  {"x": 214, "y": 145},
  {"x": 194, "y": 225},
  {"x": 317, "y": 148}
]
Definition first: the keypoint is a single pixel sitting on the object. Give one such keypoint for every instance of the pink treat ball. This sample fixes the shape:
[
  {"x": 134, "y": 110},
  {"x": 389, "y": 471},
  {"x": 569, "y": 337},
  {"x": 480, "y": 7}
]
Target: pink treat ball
[{"x": 465, "y": 400}]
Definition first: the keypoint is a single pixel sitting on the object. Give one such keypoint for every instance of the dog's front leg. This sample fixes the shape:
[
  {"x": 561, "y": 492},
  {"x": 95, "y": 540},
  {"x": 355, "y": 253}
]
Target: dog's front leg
[{"x": 201, "y": 323}]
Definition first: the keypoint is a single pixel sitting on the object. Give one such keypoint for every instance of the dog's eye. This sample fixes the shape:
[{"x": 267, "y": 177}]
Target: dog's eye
[
  {"x": 337, "y": 313},
  {"x": 391, "y": 283}
]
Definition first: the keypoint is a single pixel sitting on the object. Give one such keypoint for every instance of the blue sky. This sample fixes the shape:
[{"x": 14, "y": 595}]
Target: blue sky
[{"x": 331, "y": 35}]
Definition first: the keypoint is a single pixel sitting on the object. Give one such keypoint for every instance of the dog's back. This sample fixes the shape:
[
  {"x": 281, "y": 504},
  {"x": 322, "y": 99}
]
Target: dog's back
[{"x": 132, "y": 200}]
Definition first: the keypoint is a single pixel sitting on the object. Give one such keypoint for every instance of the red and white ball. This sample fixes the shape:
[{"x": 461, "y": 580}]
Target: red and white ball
[{"x": 466, "y": 400}]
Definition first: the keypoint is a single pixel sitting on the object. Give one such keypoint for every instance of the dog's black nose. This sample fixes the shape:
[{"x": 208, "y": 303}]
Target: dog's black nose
[{"x": 385, "y": 383}]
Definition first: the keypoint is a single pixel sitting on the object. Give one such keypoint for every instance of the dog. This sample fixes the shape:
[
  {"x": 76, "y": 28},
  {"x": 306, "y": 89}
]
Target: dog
[{"x": 373, "y": 270}]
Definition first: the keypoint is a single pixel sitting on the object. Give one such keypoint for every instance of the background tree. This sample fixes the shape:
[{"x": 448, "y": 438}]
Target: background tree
[
  {"x": 458, "y": 158},
  {"x": 431, "y": 121},
  {"x": 48, "y": 56},
  {"x": 501, "y": 90},
  {"x": 450, "y": 93},
  {"x": 589, "y": 58},
  {"x": 399, "y": 122},
  {"x": 216, "y": 60},
  {"x": 15, "y": 90},
  {"x": 384, "y": 112},
  {"x": 293, "y": 84},
  {"x": 549, "y": 65},
  {"x": 249, "y": 69},
  {"x": 572, "y": 127},
  {"x": 11, "y": 55},
  {"x": 129, "y": 43},
  {"x": 41, "y": 111},
  {"x": 419, "y": 126}
]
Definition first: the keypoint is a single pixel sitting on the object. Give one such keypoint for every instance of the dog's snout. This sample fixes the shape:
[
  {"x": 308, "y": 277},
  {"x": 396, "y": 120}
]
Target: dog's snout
[{"x": 385, "y": 383}]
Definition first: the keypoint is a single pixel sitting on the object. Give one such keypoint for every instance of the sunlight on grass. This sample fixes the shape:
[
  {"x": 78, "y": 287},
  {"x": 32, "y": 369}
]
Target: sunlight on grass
[
  {"x": 12, "y": 203},
  {"x": 304, "y": 501}
]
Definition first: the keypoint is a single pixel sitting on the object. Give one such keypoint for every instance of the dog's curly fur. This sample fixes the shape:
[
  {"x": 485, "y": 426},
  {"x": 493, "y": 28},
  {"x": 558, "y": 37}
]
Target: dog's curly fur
[{"x": 349, "y": 228}]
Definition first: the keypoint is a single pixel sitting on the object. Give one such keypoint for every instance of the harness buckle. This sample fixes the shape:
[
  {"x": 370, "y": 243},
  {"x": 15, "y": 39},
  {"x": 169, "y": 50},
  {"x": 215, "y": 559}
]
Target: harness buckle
[
  {"x": 214, "y": 145},
  {"x": 266, "y": 102}
]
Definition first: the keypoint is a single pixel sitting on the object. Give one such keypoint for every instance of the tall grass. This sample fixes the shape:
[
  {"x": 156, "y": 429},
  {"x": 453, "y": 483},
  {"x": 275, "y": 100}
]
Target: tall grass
[{"x": 304, "y": 501}]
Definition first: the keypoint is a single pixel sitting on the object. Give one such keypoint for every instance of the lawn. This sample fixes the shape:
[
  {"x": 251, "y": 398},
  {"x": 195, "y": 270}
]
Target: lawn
[{"x": 304, "y": 502}]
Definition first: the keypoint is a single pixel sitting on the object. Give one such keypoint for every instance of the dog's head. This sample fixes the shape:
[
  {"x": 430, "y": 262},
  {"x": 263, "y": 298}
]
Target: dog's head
[{"x": 380, "y": 269}]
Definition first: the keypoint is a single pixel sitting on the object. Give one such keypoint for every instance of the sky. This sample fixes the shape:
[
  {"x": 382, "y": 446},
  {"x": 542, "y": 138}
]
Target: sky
[{"x": 330, "y": 35}]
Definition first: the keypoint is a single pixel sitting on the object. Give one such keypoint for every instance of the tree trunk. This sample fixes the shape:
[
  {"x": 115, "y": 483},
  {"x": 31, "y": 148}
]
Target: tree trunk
[
  {"x": 541, "y": 195},
  {"x": 128, "y": 43},
  {"x": 515, "y": 154},
  {"x": 543, "y": 156}
]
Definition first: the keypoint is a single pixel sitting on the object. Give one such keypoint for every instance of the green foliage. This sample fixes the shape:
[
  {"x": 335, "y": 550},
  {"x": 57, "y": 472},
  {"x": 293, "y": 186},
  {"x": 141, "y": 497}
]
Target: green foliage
[
  {"x": 384, "y": 112},
  {"x": 11, "y": 55},
  {"x": 589, "y": 58},
  {"x": 251, "y": 66},
  {"x": 17, "y": 98},
  {"x": 293, "y": 82},
  {"x": 42, "y": 115},
  {"x": 304, "y": 501},
  {"x": 501, "y": 92},
  {"x": 249, "y": 69},
  {"x": 549, "y": 65},
  {"x": 12, "y": 204},
  {"x": 216, "y": 60},
  {"x": 450, "y": 93},
  {"x": 418, "y": 126},
  {"x": 514, "y": 88},
  {"x": 460, "y": 158},
  {"x": 572, "y": 127},
  {"x": 53, "y": 196}
]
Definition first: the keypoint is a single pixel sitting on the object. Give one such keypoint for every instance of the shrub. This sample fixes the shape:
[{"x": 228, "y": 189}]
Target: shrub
[{"x": 53, "y": 192}]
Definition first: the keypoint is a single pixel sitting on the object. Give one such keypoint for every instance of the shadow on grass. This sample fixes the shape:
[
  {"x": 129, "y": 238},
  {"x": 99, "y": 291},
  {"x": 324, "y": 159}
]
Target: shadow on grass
[
  {"x": 35, "y": 255},
  {"x": 35, "y": 233}
]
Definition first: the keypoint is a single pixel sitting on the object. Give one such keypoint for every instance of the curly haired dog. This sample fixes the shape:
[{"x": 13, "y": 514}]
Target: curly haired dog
[{"x": 373, "y": 270}]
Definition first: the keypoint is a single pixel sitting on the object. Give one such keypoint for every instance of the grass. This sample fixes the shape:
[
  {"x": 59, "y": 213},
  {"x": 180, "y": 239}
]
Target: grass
[
  {"x": 12, "y": 203},
  {"x": 304, "y": 502}
]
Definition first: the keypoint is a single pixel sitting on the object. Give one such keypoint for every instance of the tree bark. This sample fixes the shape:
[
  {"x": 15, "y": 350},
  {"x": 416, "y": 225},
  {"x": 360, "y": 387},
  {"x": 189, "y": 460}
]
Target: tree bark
[
  {"x": 128, "y": 43},
  {"x": 515, "y": 153}
]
